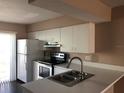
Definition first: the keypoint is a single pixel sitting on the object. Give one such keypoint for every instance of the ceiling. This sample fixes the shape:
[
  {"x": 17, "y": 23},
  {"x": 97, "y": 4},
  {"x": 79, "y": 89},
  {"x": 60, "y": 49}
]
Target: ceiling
[
  {"x": 113, "y": 3},
  {"x": 19, "y": 11}
]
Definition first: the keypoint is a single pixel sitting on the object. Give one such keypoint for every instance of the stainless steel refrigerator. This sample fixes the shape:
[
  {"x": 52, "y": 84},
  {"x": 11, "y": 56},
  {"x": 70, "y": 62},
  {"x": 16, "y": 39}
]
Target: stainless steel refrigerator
[{"x": 27, "y": 51}]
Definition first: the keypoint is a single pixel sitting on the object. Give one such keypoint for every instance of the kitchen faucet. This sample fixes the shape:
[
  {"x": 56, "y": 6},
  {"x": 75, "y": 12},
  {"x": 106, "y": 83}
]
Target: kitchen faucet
[{"x": 81, "y": 71}]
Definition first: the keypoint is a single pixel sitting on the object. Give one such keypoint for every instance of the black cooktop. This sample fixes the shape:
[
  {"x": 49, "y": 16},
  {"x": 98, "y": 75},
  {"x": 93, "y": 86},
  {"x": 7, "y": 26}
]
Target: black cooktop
[
  {"x": 51, "y": 62},
  {"x": 56, "y": 58}
]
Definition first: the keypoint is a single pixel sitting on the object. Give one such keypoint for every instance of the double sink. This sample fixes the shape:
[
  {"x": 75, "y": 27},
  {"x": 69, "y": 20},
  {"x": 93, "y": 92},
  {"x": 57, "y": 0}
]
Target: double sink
[{"x": 70, "y": 78}]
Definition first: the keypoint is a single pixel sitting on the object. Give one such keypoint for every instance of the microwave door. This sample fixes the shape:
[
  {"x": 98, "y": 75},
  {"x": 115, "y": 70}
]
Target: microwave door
[{"x": 45, "y": 71}]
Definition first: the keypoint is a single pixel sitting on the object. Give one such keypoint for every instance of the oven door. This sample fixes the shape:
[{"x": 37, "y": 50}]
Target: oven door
[{"x": 44, "y": 71}]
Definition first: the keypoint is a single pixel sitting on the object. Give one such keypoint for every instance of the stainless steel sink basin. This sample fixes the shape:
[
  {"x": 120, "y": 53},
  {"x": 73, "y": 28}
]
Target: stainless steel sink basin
[{"x": 70, "y": 78}]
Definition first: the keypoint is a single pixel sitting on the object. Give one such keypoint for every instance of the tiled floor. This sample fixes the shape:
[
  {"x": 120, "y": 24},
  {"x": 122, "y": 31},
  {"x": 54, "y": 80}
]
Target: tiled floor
[{"x": 10, "y": 87}]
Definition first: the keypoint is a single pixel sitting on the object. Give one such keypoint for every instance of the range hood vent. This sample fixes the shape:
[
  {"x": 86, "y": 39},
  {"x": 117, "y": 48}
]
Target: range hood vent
[{"x": 52, "y": 44}]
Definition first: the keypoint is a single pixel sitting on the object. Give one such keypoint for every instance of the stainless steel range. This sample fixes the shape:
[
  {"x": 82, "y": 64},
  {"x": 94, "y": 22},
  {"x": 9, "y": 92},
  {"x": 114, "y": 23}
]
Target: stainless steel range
[{"x": 45, "y": 67}]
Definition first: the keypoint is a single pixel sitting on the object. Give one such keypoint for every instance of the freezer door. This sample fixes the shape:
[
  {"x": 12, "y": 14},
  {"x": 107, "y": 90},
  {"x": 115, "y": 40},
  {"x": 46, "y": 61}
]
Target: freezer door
[
  {"x": 22, "y": 46},
  {"x": 28, "y": 46},
  {"x": 22, "y": 67},
  {"x": 34, "y": 46}
]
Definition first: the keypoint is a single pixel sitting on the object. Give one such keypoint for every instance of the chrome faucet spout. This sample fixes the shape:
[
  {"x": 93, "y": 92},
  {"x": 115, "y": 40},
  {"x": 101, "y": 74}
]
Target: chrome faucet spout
[{"x": 81, "y": 71}]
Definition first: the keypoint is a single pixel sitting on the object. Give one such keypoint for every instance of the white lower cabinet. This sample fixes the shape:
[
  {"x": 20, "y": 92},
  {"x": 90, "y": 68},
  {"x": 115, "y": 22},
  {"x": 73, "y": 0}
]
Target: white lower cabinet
[{"x": 58, "y": 70}]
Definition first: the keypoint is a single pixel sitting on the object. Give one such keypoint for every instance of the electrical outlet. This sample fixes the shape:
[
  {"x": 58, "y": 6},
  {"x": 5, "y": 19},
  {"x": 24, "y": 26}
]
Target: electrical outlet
[{"x": 88, "y": 58}]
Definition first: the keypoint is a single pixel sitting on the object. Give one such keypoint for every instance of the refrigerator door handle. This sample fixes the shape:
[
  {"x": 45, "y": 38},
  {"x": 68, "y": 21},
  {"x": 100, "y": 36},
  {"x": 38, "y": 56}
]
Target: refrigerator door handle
[
  {"x": 25, "y": 51},
  {"x": 26, "y": 64}
]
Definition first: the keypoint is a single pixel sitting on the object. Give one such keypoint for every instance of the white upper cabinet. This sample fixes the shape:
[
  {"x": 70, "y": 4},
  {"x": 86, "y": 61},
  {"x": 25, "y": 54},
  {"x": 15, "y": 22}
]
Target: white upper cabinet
[
  {"x": 83, "y": 38},
  {"x": 78, "y": 38},
  {"x": 53, "y": 35},
  {"x": 42, "y": 35},
  {"x": 66, "y": 39}
]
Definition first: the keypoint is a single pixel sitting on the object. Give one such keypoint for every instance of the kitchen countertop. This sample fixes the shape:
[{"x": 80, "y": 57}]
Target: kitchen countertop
[{"x": 95, "y": 84}]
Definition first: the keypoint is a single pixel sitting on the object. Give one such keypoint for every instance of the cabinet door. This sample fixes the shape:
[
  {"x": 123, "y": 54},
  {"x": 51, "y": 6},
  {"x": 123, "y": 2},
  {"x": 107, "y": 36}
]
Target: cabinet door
[
  {"x": 53, "y": 35},
  {"x": 41, "y": 35},
  {"x": 66, "y": 39},
  {"x": 83, "y": 38}
]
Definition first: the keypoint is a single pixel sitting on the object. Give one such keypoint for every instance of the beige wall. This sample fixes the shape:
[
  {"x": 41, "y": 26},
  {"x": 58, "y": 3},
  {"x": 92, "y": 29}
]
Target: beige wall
[
  {"x": 93, "y": 7},
  {"x": 109, "y": 40},
  {"x": 18, "y": 28},
  {"x": 109, "y": 36},
  {"x": 114, "y": 38},
  {"x": 53, "y": 23}
]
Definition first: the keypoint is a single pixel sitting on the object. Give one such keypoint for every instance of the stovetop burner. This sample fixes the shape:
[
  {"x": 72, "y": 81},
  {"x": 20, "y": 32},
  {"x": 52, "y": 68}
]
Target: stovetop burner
[
  {"x": 50, "y": 62},
  {"x": 56, "y": 58}
]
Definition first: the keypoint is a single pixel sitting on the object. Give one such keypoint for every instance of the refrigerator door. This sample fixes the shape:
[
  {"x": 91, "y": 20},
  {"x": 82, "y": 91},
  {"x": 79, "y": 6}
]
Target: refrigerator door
[
  {"x": 34, "y": 46},
  {"x": 35, "y": 49},
  {"x": 30, "y": 59},
  {"x": 30, "y": 46},
  {"x": 25, "y": 67},
  {"x": 22, "y": 67},
  {"x": 22, "y": 46},
  {"x": 28, "y": 50}
]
